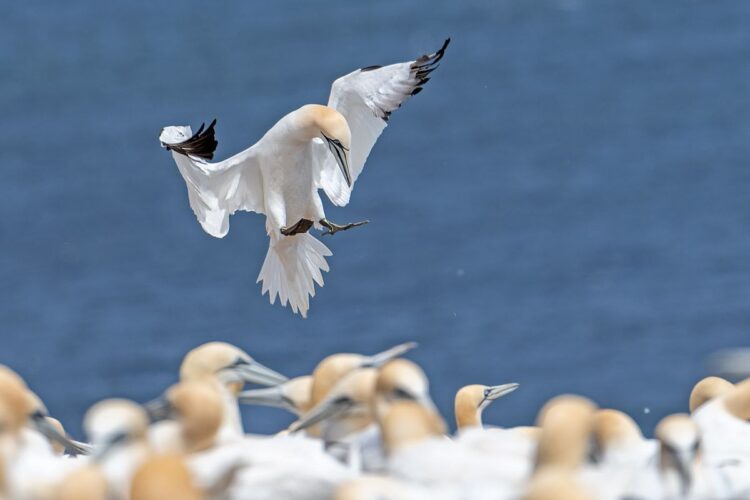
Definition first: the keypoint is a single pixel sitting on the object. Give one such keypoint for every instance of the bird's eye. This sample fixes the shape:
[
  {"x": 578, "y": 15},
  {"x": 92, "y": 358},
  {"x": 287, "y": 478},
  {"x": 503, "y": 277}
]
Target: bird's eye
[
  {"x": 399, "y": 393},
  {"x": 342, "y": 401},
  {"x": 486, "y": 393}
]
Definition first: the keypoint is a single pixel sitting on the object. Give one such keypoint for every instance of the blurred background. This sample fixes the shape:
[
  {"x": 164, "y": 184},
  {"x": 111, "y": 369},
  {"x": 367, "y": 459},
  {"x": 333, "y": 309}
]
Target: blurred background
[{"x": 564, "y": 206}]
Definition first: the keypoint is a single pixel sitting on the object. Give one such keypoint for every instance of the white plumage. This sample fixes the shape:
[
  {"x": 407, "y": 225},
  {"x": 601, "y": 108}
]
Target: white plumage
[{"x": 314, "y": 147}]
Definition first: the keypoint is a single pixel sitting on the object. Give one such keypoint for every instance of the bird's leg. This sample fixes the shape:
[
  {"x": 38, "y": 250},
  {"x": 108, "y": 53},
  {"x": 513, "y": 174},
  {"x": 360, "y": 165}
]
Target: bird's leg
[
  {"x": 302, "y": 226},
  {"x": 335, "y": 228}
]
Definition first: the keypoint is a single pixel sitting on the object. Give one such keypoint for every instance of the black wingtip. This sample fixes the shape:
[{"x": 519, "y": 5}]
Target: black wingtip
[{"x": 202, "y": 144}]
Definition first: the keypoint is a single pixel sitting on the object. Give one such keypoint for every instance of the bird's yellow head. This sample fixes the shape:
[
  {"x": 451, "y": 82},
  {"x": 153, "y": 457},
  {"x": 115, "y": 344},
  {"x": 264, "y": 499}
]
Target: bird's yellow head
[{"x": 330, "y": 126}]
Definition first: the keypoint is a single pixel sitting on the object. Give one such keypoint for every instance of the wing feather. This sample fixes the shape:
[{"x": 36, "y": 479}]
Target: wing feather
[
  {"x": 367, "y": 97},
  {"x": 215, "y": 190}
]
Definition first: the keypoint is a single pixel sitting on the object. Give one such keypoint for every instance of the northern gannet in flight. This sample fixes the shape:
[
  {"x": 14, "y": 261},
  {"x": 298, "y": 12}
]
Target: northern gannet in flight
[{"x": 314, "y": 147}]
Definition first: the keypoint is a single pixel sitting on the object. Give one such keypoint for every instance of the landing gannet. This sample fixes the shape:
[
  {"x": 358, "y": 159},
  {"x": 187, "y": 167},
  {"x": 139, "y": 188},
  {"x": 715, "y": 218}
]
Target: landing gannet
[{"x": 315, "y": 147}]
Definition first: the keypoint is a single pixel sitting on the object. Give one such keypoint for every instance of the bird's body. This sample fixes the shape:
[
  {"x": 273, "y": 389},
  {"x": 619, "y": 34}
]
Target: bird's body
[{"x": 314, "y": 147}]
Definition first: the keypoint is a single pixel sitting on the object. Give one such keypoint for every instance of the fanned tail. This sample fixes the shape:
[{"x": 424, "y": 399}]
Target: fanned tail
[{"x": 292, "y": 266}]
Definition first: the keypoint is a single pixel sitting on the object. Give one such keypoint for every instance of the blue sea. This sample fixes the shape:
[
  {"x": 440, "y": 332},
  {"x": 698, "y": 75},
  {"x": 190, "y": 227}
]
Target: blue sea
[{"x": 566, "y": 205}]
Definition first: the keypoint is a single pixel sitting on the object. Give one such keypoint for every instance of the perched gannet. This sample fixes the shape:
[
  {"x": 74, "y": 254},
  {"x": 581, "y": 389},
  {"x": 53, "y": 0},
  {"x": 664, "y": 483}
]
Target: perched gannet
[
  {"x": 399, "y": 380},
  {"x": 556, "y": 484},
  {"x": 708, "y": 389},
  {"x": 293, "y": 395},
  {"x": 471, "y": 401},
  {"x": 724, "y": 426},
  {"x": 164, "y": 477},
  {"x": 345, "y": 413},
  {"x": 385, "y": 488},
  {"x": 85, "y": 483},
  {"x": 315, "y": 147},
  {"x": 566, "y": 422},
  {"x": 232, "y": 368},
  {"x": 32, "y": 469},
  {"x": 194, "y": 412},
  {"x": 118, "y": 431}
]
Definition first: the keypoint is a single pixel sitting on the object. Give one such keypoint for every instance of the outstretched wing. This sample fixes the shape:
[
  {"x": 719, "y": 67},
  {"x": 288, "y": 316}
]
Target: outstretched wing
[
  {"x": 215, "y": 190},
  {"x": 366, "y": 98}
]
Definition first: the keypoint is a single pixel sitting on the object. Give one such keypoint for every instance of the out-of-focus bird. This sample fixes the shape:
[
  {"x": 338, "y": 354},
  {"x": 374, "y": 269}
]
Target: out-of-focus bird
[
  {"x": 293, "y": 395},
  {"x": 231, "y": 368},
  {"x": 708, "y": 389},
  {"x": 315, "y": 147}
]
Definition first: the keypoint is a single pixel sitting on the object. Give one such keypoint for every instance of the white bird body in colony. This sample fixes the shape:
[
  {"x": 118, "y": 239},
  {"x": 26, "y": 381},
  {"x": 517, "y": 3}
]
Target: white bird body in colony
[{"x": 314, "y": 147}]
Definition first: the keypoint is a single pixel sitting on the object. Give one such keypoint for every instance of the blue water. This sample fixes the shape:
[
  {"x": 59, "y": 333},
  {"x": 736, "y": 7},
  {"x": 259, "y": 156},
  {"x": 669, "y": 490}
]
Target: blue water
[{"x": 564, "y": 206}]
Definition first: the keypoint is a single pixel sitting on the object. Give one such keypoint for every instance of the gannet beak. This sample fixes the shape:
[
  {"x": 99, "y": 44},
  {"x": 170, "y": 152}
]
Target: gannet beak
[
  {"x": 254, "y": 373},
  {"x": 324, "y": 411},
  {"x": 682, "y": 464},
  {"x": 381, "y": 358},
  {"x": 158, "y": 409},
  {"x": 342, "y": 157},
  {"x": 271, "y": 396},
  {"x": 100, "y": 452},
  {"x": 42, "y": 425},
  {"x": 497, "y": 391}
]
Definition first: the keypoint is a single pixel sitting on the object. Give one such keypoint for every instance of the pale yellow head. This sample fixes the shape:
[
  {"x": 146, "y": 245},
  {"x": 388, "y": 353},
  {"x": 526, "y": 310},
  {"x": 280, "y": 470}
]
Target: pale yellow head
[
  {"x": 471, "y": 400},
  {"x": 112, "y": 417},
  {"x": 164, "y": 477},
  {"x": 401, "y": 379},
  {"x": 17, "y": 398},
  {"x": 566, "y": 423},
  {"x": 227, "y": 363},
  {"x": 84, "y": 483},
  {"x": 737, "y": 400},
  {"x": 407, "y": 423},
  {"x": 199, "y": 410},
  {"x": 707, "y": 389},
  {"x": 555, "y": 484},
  {"x": 613, "y": 428}
]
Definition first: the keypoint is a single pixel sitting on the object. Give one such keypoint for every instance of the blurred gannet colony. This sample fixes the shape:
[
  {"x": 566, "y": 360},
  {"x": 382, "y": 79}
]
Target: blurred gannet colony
[{"x": 367, "y": 429}]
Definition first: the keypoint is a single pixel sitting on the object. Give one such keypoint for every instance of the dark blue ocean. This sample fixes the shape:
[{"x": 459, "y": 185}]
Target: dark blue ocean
[{"x": 566, "y": 205}]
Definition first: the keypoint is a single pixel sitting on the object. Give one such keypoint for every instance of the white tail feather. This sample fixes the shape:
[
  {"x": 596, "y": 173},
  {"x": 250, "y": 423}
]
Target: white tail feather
[{"x": 291, "y": 269}]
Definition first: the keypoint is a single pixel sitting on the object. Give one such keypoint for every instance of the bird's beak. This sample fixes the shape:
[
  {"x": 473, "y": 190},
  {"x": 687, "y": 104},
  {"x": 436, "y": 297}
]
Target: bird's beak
[
  {"x": 683, "y": 463},
  {"x": 41, "y": 424},
  {"x": 253, "y": 372},
  {"x": 324, "y": 411},
  {"x": 498, "y": 391},
  {"x": 158, "y": 409},
  {"x": 381, "y": 358},
  {"x": 100, "y": 452},
  {"x": 270, "y": 396},
  {"x": 341, "y": 154}
]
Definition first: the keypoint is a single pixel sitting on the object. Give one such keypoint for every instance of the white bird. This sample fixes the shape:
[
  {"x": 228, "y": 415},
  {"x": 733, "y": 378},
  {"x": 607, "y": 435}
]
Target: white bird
[{"x": 315, "y": 147}]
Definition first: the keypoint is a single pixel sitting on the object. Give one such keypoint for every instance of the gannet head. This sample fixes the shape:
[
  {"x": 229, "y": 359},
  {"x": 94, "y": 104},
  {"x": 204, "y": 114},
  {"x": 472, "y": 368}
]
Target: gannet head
[
  {"x": 198, "y": 408},
  {"x": 231, "y": 365},
  {"x": 707, "y": 389},
  {"x": 555, "y": 484},
  {"x": 114, "y": 422},
  {"x": 346, "y": 409},
  {"x": 680, "y": 449},
  {"x": 402, "y": 379},
  {"x": 613, "y": 429},
  {"x": 566, "y": 423},
  {"x": 293, "y": 395},
  {"x": 332, "y": 368},
  {"x": 164, "y": 476},
  {"x": 471, "y": 400},
  {"x": 407, "y": 423},
  {"x": 87, "y": 482},
  {"x": 15, "y": 394},
  {"x": 330, "y": 126}
]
